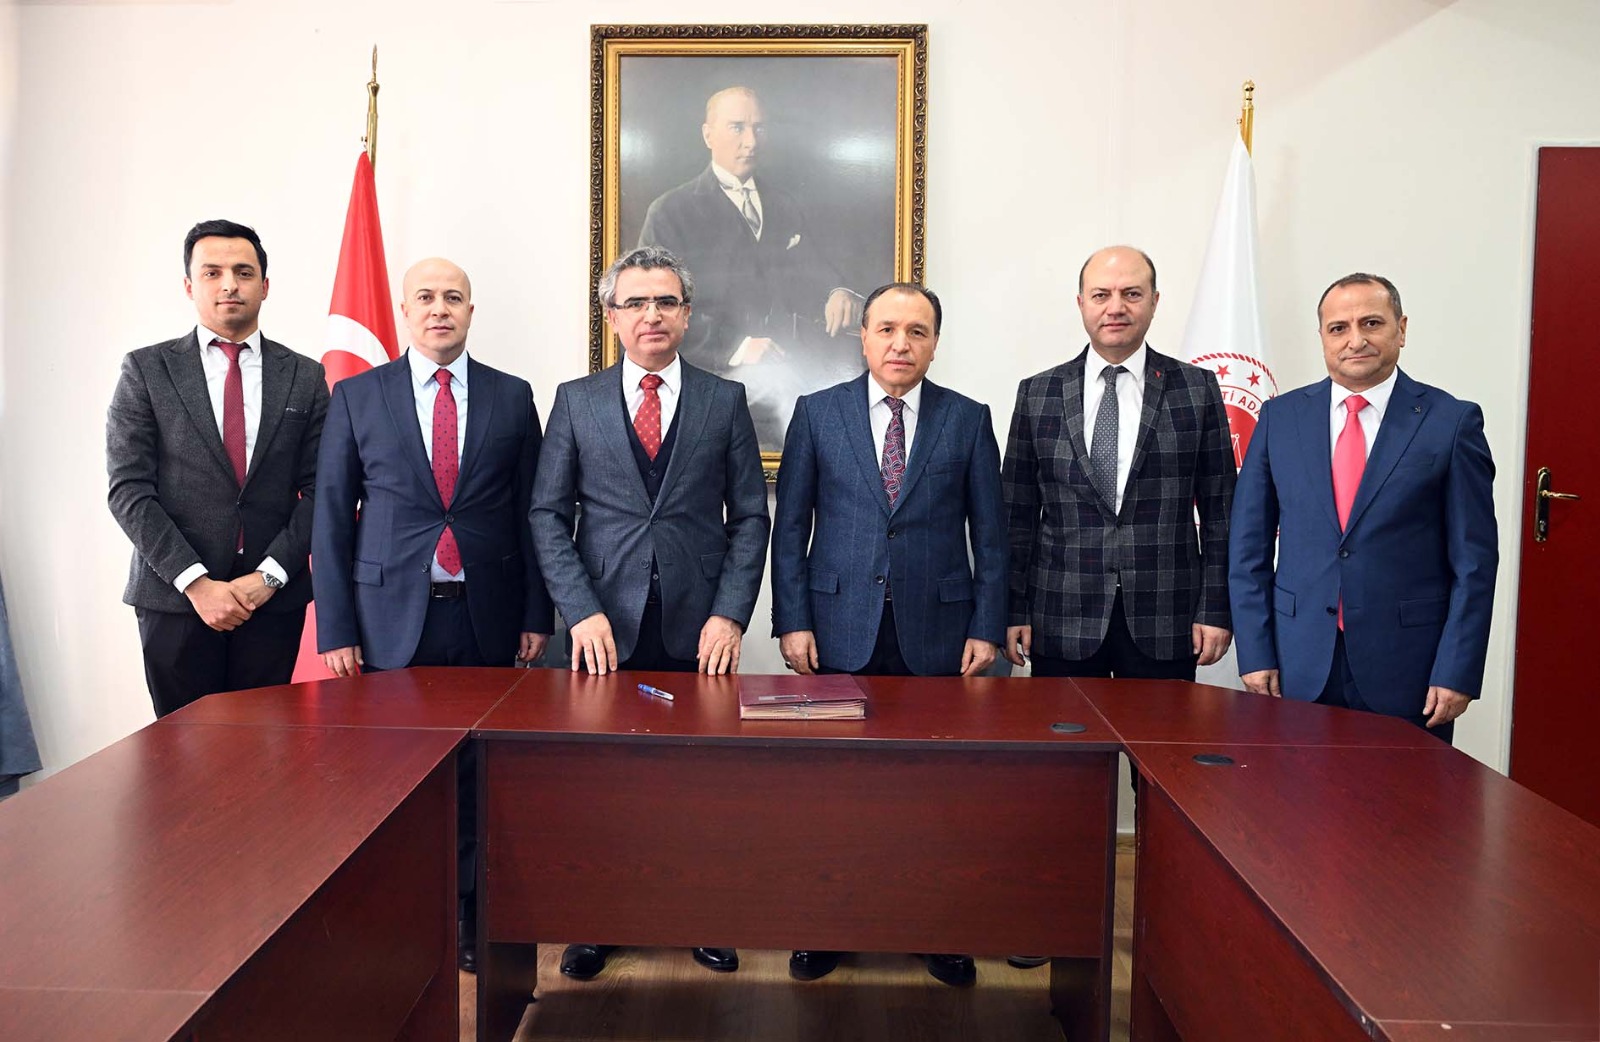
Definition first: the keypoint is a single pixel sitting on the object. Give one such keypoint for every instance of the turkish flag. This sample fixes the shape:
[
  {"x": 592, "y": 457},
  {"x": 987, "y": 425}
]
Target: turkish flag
[{"x": 361, "y": 334}]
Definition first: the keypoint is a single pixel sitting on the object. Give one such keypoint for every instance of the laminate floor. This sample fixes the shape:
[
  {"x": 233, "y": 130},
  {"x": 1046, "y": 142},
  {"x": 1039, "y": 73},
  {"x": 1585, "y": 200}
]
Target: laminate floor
[{"x": 661, "y": 993}]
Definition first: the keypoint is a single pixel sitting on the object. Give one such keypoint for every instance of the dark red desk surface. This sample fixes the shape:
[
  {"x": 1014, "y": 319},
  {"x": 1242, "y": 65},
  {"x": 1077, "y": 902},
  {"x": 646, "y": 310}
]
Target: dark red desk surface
[
  {"x": 1434, "y": 1031},
  {"x": 1425, "y": 886},
  {"x": 165, "y": 861},
  {"x": 949, "y": 712},
  {"x": 1174, "y": 711},
  {"x": 50, "y": 1014},
  {"x": 420, "y": 698}
]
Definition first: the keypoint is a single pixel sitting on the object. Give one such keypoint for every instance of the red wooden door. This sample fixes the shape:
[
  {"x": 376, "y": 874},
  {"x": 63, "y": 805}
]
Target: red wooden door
[{"x": 1555, "y": 707}]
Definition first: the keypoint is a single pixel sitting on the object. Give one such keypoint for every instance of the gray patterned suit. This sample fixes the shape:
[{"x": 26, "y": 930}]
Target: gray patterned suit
[
  {"x": 1069, "y": 548},
  {"x": 707, "y": 528}
]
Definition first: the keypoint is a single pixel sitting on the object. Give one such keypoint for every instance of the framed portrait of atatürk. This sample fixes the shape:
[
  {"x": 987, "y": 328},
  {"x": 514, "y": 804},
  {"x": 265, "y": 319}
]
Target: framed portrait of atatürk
[{"x": 785, "y": 166}]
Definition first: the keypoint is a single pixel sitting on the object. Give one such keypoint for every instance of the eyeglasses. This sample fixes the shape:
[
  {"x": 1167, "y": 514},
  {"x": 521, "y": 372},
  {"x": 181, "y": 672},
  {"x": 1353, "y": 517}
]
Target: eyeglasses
[{"x": 637, "y": 305}]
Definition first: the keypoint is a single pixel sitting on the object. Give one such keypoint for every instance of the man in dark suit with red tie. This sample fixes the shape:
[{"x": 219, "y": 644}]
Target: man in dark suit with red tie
[
  {"x": 211, "y": 448},
  {"x": 423, "y": 555},
  {"x": 1377, "y": 494}
]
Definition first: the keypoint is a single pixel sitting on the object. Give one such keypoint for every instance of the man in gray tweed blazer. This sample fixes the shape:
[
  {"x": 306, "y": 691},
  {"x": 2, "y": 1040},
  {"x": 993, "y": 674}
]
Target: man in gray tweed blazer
[
  {"x": 1109, "y": 458},
  {"x": 211, "y": 447}
]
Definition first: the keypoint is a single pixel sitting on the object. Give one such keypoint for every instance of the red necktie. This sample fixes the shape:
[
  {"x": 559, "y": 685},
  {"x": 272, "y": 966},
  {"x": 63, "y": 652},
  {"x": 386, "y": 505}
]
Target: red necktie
[
  {"x": 233, "y": 408},
  {"x": 1349, "y": 460},
  {"x": 446, "y": 467},
  {"x": 233, "y": 418},
  {"x": 647, "y": 421}
]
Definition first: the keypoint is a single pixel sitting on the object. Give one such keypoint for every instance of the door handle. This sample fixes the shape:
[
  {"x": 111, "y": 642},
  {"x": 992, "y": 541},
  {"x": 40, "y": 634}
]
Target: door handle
[{"x": 1541, "y": 504}]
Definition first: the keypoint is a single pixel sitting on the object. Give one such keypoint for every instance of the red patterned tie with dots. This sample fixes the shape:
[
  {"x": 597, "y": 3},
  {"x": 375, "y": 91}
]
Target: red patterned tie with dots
[
  {"x": 446, "y": 467},
  {"x": 647, "y": 421},
  {"x": 233, "y": 416}
]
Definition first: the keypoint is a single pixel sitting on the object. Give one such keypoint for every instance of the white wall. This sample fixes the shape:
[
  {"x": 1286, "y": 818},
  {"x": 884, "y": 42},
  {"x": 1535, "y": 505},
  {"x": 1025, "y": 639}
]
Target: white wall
[{"x": 1393, "y": 135}]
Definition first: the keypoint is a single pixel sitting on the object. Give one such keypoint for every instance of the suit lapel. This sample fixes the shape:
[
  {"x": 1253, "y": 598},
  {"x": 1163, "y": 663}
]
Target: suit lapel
[
  {"x": 277, "y": 374},
  {"x": 188, "y": 376},
  {"x": 857, "y": 425},
  {"x": 394, "y": 380},
  {"x": 1311, "y": 425},
  {"x": 481, "y": 384},
  {"x": 694, "y": 409},
  {"x": 1408, "y": 407},
  {"x": 608, "y": 411},
  {"x": 935, "y": 408},
  {"x": 1156, "y": 373}
]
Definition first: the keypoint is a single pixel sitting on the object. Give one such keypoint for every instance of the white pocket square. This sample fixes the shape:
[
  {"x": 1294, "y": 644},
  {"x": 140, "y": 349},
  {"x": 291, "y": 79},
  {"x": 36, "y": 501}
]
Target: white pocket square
[{"x": 793, "y": 243}]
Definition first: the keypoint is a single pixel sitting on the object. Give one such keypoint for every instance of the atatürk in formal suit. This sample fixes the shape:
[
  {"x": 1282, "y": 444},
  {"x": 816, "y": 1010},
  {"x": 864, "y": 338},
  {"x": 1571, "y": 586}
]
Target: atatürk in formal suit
[
  {"x": 175, "y": 491},
  {"x": 838, "y": 545},
  {"x": 776, "y": 286},
  {"x": 1071, "y": 548},
  {"x": 704, "y": 531},
  {"x": 373, "y": 570}
]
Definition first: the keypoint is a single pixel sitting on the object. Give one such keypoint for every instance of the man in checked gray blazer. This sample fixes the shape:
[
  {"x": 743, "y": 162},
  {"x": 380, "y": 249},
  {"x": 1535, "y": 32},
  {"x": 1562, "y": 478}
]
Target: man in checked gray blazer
[
  {"x": 212, "y": 464},
  {"x": 1109, "y": 458},
  {"x": 656, "y": 464}
]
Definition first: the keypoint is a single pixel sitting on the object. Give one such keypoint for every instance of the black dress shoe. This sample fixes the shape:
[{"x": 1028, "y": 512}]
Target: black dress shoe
[
  {"x": 466, "y": 945},
  {"x": 719, "y": 960},
  {"x": 585, "y": 961},
  {"x": 812, "y": 965},
  {"x": 958, "y": 971},
  {"x": 1027, "y": 962}
]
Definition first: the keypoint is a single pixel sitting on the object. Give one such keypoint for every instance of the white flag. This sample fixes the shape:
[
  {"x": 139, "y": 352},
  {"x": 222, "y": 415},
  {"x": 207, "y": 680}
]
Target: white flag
[{"x": 1224, "y": 332}]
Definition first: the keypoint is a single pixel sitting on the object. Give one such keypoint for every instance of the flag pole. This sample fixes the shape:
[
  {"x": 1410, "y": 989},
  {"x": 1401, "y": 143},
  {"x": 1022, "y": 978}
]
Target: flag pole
[
  {"x": 1247, "y": 113},
  {"x": 372, "y": 112}
]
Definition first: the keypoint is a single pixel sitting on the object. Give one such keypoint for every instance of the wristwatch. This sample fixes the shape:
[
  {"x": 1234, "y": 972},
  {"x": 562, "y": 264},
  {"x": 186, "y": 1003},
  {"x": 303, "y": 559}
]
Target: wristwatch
[{"x": 272, "y": 581}]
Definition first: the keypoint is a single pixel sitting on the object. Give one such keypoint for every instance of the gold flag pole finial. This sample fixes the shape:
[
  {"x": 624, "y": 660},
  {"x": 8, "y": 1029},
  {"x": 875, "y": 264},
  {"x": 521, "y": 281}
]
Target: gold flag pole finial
[
  {"x": 1247, "y": 116},
  {"x": 372, "y": 112}
]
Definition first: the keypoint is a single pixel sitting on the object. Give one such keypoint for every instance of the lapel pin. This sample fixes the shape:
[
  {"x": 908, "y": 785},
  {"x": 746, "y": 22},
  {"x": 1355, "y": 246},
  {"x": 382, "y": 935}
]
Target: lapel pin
[{"x": 1416, "y": 408}]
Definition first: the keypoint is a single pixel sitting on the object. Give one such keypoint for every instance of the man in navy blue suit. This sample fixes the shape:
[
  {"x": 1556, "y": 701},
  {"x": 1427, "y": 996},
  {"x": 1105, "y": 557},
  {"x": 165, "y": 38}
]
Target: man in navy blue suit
[
  {"x": 1379, "y": 491},
  {"x": 887, "y": 481},
  {"x": 422, "y": 551}
]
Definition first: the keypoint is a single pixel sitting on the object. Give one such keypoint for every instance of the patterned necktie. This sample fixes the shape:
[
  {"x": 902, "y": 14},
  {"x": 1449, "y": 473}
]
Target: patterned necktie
[
  {"x": 894, "y": 448},
  {"x": 1349, "y": 460},
  {"x": 1103, "y": 450},
  {"x": 647, "y": 421},
  {"x": 446, "y": 467},
  {"x": 752, "y": 216}
]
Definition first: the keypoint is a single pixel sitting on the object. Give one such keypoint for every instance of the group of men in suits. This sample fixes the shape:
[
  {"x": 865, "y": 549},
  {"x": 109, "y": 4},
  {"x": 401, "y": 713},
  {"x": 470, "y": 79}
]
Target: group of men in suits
[{"x": 446, "y": 524}]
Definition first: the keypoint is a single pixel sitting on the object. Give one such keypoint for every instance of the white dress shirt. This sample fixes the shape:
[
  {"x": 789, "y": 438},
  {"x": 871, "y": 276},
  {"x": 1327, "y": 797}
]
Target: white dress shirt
[
  {"x": 1370, "y": 417},
  {"x": 734, "y": 188},
  {"x": 215, "y": 365},
  {"x": 425, "y": 390},
  {"x": 878, "y": 414},
  {"x": 1130, "y": 406},
  {"x": 671, "y": 387}
]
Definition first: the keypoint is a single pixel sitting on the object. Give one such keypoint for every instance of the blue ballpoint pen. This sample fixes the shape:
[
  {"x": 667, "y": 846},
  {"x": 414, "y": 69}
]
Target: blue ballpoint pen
[{"x": 656, "y": 691}]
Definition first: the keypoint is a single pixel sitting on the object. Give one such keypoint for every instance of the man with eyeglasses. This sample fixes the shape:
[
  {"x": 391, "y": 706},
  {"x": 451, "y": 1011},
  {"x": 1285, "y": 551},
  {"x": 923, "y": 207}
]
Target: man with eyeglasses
[{"x": 650, "y": 508}]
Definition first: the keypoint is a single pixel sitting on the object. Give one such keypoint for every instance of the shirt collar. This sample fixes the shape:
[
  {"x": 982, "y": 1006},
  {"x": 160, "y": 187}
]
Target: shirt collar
[
  {"x": 876, "y": 394},
  {"x": 1134, "y": 364},
  {"x": 205, "y": 336},
  {"x": 1377, "y": 397},
  {"x": 728, "y": 180},
  {"x": 422, "y": 369},
  {"x": 671, "y": 376}
]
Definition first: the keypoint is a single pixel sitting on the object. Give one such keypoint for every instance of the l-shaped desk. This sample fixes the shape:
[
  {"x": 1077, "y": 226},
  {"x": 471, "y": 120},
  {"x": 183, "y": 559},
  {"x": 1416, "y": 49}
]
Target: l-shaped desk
[{"x": 279, "y": 863}]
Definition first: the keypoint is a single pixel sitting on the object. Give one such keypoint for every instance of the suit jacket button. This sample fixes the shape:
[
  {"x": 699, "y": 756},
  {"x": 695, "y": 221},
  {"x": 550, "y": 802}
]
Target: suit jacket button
[
  {"x": 878, "y": 580},
  {"x": 1344, "y": 553},
  {"x": 1332, "y": 610},
  {"x": 449, "y": 519},
  {"x": 892, "y": 533},
  {"x": 654, "y": 520}
]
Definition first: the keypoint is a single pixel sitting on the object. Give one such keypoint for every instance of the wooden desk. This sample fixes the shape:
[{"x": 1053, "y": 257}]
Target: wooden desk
[
  {"x": 1314, "y": 892},
  {"x": 952, "y": 819},
  {"x": 225, "y": 882}
]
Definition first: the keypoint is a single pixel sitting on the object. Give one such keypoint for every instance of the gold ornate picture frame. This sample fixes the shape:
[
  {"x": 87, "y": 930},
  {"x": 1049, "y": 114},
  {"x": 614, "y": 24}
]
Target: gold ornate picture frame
[{"x": 834, "y": 120}]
